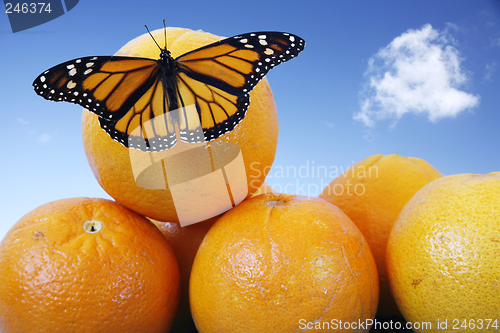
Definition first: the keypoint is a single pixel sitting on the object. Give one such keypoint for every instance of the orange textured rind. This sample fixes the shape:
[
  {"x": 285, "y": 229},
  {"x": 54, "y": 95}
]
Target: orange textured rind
[
  {"x": 264, "y": 268},
  {"x": 57, "y": 277}
]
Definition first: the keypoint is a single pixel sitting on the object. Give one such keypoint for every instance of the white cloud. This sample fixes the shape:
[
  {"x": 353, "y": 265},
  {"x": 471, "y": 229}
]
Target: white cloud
[
  {"x": 22, "y": 121},
  {"x": 495, "y": 42},
  {"x": 44, "y": 138},
  {"x": 418, "y": 72},
  {"x": 329, "y": 124},
  {"x": 490, "y": 69}
]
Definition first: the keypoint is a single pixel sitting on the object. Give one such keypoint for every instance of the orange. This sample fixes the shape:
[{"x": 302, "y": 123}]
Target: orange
[
  {"x": 86, "y": 265},
  {"x": 185, "y": 241},
  {"x": 264, "y": 188},
  {"x": 372, "y": 192},
  {"x": 443, "y": 255},
  {"x": 256, "y": 136},
  {"x": 283, "y": 263}
]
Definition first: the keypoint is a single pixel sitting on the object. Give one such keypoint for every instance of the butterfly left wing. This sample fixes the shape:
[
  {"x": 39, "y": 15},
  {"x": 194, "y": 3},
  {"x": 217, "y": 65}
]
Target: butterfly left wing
[
  {"x": 148, "y": 125},
  {"x": 218, "y": 78},
  {"x": 125, "y": 92},
  {"x": 107, "y": 86}
]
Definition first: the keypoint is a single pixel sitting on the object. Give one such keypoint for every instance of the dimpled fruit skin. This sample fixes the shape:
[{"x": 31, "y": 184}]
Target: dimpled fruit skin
[
  {"x": 256, "y": 135},
  {"x": 277, "y": 262},
  {"x": 372, "y": 193},
  {"x": 185, "y": 242},
  {"x": 443, "y": 255},
  {"x": 55, "y": 277}
]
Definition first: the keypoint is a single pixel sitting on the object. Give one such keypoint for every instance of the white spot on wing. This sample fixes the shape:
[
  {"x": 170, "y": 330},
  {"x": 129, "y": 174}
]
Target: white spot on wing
[{"x": 269, "y": 51}]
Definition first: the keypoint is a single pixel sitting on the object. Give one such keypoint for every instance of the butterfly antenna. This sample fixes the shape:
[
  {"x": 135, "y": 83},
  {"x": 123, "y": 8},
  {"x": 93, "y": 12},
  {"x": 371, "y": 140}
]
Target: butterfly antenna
[
  {"x": 165, "y": 31},
  {"x": 153, "y": 37}
]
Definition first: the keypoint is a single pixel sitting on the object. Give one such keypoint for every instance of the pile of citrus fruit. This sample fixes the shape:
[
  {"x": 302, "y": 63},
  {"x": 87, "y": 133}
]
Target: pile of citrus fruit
[{"x": 391, "y": 238}]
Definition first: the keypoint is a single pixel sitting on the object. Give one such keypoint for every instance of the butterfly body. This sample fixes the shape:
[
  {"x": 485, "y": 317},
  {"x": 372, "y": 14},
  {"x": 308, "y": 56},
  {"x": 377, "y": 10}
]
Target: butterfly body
[
  {"x": 142, "y": 102},
  {"x": 168, "y": 69}
]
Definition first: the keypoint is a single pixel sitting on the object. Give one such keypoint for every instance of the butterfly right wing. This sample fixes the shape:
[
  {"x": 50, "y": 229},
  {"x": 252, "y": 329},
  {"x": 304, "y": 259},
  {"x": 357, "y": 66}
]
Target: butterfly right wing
[
  {"x": 126, "y": 93},
  {"x": 217, "y": 78},
  {"x": 238, "y": 63}
]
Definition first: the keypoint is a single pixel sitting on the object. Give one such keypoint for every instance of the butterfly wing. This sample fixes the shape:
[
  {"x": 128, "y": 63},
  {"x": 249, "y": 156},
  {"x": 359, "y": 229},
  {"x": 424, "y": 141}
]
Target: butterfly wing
[
  {"x": 216, "y": 79},
  {"x": 126, "y": 93},
  {"x": 138, "y": 100},
  {"x": 207, "y": 112},
  {"x": 237, "y": 64}
]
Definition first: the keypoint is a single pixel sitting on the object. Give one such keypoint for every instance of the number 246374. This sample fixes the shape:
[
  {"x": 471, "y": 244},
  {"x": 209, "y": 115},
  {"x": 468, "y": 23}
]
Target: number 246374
[{"x": 27, "y": 8}]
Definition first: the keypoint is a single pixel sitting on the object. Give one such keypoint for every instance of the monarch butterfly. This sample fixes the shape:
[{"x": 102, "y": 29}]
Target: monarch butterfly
[{"x": 139, "y": 100}]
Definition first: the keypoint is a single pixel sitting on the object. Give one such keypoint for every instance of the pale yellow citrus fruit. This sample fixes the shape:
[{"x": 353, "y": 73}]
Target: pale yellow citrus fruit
[{"x": 443, "y": 255}]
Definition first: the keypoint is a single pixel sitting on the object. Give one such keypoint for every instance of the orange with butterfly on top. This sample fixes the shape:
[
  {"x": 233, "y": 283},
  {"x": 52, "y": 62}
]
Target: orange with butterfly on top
[{"x": 188, "y": 116}]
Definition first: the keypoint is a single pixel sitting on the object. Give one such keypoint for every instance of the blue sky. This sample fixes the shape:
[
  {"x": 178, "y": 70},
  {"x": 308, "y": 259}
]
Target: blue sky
[{"x": 420, "y": 78}]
